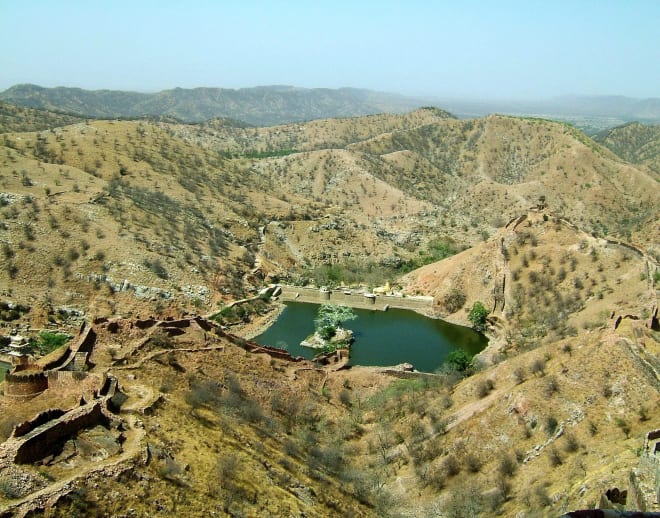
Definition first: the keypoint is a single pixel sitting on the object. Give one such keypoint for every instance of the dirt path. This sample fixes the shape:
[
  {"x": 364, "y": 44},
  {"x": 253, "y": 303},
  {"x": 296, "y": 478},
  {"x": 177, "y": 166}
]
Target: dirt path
[{"x": 472, "y": 409}]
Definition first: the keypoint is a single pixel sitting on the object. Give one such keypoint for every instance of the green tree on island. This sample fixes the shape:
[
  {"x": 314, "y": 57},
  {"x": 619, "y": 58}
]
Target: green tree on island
[{"x": 330, "y": 317}]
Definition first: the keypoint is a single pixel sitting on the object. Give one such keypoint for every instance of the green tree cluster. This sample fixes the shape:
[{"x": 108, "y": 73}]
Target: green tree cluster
[
  {"x": 48, "y": 342},
  {"x": 477, "y": 316},
  {"x": 330, "y": 317}
]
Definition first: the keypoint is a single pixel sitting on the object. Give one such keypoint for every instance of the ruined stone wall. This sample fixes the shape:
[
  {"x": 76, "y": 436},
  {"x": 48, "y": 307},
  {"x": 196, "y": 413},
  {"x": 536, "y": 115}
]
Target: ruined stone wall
[
  {"x": 86, "y": 341},
  {"x": 645, "y": 478},
  {"x": 179, "y": 324},
  {"x": 39, "y": 443},
  {"x": 57, "y": 379},
  {"x": 42, "y": 418}
]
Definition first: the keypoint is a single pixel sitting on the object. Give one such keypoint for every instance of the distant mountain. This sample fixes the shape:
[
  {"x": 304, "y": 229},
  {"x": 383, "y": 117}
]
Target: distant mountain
[
  {"x": 263, "y": 105},
  {"x": 634, "y": 142}
]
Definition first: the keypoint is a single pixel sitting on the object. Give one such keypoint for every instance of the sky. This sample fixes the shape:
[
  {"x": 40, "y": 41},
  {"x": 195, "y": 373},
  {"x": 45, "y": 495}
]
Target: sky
[{"x": 464, "y": 49}]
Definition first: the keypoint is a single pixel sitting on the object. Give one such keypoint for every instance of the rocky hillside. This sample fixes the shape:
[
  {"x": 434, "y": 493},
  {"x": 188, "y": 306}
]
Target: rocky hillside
[
  {"x": 172, "y": 215},
  {"x": 635, "y": 143},
  {"x": 263, "y": 105},
  {"x": 210, "y": 422},
  {"x": 542, "y": 280},
  {"x": 16, "y": 119}
]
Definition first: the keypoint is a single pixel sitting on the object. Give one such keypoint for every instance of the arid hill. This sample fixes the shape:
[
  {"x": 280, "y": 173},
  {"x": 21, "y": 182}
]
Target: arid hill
[
  {"x": 211, "y": 423},
  {"x": 635, "y": 143},
  {"x": 112, "y": 222},
  {"x": 189, "y": 215},
  {"x": 16, "y": 119}
]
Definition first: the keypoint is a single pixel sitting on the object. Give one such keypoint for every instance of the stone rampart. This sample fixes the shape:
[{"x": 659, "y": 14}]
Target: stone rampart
[
  {"x": 87, "y": 341},
  {"x": 248, "y": 345},
  {"x": 146, "y": 323}
]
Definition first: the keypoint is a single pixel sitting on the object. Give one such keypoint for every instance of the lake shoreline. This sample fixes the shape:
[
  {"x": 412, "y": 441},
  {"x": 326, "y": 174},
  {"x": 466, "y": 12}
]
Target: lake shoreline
[
  {"x": 383, "y": 338},
  {"x": 261, "y": 324}
]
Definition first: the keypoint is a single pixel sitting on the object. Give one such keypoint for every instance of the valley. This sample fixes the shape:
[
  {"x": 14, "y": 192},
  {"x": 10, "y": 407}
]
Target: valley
[{"x": 143, "y": 229}]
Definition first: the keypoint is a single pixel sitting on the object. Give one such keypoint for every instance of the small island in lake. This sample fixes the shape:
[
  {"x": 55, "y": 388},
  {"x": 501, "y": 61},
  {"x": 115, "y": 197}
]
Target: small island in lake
[{"x": 329, "y": 335}]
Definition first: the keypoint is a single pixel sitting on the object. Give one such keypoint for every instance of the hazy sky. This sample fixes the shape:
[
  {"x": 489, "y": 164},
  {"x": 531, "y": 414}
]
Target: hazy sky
[{"x": 460, "y": 48}]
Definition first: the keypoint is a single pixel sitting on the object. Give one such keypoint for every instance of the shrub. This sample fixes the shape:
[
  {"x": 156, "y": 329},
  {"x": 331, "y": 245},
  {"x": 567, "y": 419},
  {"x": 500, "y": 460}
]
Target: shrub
[
  {"x": 571, "y": 445},
  {"x": 484, "y": 387},
  {"x": 538, "y": 366},
  {"x": 226, "y": 468},
  {"x": 507, "y": 465},
  {"x": 7, "y": 489},
  {"x": 502, "y": 494},
  {"x": 542, "y": 497},
  {"x": 454, "y": 300},
  {"x": 473, "y": 463},
  {"x": 552, "y": 386},
  {"x": 252, "y": 411},
  {"x": 203, "y": 393},
  {"x": 477, "y": 316},
  {"x": 624, "y": 425},
  {"x": 48, "y": 342},
  {"x": 157, "y": 268},
  {"x": 555, "y": 458},
  {"x": 460, "y": 361},
  {"x": 161, "y": 340},
  {"x": 291, "y": 448},
  {"x": 451, "y": 466},
  {"x": 519, "y": 375},
  {"x": 551, "y": 425}
]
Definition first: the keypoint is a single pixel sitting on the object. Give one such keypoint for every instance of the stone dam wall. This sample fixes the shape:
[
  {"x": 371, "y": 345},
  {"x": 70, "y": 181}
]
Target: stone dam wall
[{"x": 353, "y": 300}]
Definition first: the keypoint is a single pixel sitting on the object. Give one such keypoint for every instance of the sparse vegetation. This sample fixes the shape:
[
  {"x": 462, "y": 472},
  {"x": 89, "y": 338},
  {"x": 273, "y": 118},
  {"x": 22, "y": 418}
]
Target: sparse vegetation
[{"x": 156, "y": 218}]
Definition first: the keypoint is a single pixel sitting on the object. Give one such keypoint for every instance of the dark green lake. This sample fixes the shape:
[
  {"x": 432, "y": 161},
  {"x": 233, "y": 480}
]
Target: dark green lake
[{"x": 382, "y": 338}]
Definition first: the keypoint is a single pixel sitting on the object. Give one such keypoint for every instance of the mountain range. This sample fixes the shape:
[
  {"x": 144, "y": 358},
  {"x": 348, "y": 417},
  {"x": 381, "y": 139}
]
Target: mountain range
[
  {"x": 270, "y": 105},
  {"x": 263, "y": 105}
]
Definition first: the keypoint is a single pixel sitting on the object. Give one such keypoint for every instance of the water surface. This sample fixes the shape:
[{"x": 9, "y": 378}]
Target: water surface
[{"x": 381, "y": 337}]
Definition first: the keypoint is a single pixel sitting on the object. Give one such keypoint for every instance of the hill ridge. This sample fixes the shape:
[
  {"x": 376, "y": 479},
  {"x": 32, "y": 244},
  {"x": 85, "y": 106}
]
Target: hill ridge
[{"x": 261, "y": 105}]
